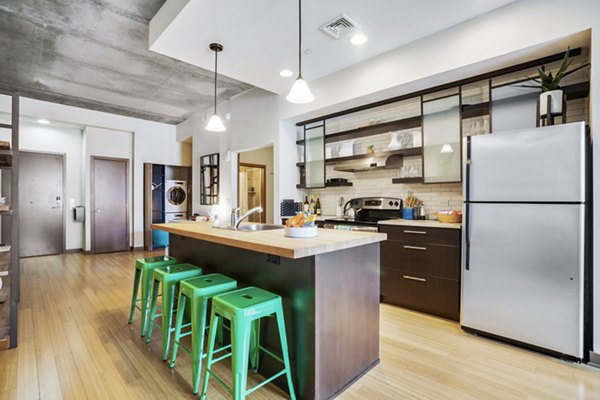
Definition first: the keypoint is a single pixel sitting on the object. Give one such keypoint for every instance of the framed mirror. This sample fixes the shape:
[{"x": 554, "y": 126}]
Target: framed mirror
[{"x": 209, "y": 179}]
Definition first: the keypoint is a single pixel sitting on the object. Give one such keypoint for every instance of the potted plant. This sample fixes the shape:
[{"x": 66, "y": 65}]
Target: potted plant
[
  {"x": 371, "y": 149},
  {"x": 550, "y": 85}
]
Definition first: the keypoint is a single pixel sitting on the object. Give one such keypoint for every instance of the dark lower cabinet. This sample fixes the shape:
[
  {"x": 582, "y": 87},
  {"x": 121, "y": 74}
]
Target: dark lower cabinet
[{"x": 420, "y": 269}]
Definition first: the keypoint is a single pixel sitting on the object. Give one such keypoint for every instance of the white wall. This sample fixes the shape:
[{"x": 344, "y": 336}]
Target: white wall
[
  {"x": 64, "y": 140},
  {"x": 115, "y": 136},
  {"x": 520, "y": 31}
]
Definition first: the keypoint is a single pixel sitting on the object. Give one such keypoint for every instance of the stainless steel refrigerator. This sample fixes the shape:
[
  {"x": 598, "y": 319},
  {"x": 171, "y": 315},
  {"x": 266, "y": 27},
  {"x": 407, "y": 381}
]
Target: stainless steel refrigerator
[{"x": 524, "y": 247}]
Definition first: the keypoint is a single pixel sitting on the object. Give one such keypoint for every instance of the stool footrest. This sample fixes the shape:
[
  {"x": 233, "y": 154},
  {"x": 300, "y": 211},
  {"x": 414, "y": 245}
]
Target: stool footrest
[
  {"x": 263, "y": 383},
  {"x": 226, "y": 386},
  {"x": 275, "y": 356}
]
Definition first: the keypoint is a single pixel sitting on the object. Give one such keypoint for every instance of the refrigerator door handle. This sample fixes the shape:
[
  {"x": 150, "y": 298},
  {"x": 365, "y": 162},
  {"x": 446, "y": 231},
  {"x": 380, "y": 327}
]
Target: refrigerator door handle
[{"x": 467, "y": 237}]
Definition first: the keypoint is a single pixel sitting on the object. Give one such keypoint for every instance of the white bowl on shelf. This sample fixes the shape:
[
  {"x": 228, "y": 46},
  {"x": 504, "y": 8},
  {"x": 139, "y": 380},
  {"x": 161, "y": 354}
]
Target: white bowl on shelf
[
  {"x": 305, "y": 232},
  {"x": 2, "y": 201}
]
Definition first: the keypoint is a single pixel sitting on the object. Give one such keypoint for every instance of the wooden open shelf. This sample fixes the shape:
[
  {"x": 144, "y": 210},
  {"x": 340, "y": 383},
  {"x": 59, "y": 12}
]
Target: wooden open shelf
[
  {"x": 409, "y": 152},
  {"x": 418, "y": 179},
  {"x": 370, "y": 130},
  {"x": 327, "y": 184}
]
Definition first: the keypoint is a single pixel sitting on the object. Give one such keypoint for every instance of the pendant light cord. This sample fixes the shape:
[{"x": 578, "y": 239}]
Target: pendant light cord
[
  {"x": 216, "y": 81},
  {"x": 299, "y": 38}
]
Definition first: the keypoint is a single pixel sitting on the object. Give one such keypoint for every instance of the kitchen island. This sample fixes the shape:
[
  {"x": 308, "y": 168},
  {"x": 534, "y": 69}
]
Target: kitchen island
[{"x": 330, "y": 291}]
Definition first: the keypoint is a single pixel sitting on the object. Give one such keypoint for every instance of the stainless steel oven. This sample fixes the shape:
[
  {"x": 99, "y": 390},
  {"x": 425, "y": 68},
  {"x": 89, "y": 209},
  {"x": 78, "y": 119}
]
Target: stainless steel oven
[{"x": 363, "y": 214}]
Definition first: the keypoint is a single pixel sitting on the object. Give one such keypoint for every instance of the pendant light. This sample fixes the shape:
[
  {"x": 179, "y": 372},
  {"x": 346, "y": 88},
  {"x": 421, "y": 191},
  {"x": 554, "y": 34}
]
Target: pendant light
[
  {"x": 300, "y": 92},
  {"x": 215, "y": 124}
]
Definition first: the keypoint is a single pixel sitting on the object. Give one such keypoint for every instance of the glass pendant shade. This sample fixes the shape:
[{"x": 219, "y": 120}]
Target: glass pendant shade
[
  {"x": 300, "y": 92},
  {"x": 215, "y": 124}
]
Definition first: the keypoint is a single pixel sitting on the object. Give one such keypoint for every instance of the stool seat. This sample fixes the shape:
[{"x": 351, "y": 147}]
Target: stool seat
[
  {"x": 198, "y": 291},
  {"x": 143, "y": 274},
  {"x": 168, "y": 278},
  {"x": 250, "y": 301}
]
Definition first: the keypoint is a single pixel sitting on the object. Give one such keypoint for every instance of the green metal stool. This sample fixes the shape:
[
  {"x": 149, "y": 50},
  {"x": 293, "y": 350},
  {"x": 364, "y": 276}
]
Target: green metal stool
[
  {"x": 169, "y": 277},
  {"x": 144, "y": 267},
  {"x": 199, "y": 291},
  {"x": 243, "y": 308}
]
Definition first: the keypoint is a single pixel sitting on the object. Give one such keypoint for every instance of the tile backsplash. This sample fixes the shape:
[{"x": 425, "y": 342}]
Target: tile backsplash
[{"x": 435, "y": 197}]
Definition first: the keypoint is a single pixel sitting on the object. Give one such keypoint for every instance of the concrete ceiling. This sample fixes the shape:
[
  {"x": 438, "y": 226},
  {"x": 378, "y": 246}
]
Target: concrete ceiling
[
  {"x": 94, "y": 54},
  {"x": 261, "y": 36}
]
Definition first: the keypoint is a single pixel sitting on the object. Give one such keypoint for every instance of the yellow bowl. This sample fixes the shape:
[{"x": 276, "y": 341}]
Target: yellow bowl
[{"x": 452, "y": 218}]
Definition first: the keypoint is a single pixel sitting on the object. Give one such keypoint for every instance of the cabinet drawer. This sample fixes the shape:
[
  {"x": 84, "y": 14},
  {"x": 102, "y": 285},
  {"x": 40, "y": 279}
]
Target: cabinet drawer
[
  {"x": 436, "y": 296},
  {"x": 424, "y": 235},
  {"x": 421, "y": 258}
]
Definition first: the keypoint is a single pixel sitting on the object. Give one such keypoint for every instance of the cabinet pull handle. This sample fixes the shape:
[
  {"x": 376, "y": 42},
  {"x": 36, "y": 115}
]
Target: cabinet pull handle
[
  {"x": 416, "y": 232},
  {"x": 414, "y": 278},
  {"x": 415, "y": 248}
]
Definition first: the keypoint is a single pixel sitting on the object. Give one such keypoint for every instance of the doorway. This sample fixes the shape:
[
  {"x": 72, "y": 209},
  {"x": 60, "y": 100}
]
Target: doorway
[
  {"x": 41, "y": 213},
  {"x": 109, "y": 204},
  {"x": 252, "y": 190}
]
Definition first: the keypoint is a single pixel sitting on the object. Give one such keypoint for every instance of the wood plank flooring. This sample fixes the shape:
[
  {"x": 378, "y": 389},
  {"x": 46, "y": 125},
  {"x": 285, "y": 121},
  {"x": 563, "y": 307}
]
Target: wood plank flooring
[{"x": 75, "y": 343}]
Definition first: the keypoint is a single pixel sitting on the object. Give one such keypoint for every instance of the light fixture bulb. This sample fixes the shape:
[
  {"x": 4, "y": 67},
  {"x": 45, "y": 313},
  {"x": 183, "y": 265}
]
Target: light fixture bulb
[
  {"x": 446, "y": 148},
  {"x": 215, "y": 124},
  {"x": 43, "y": 121},
  {"x": 286, "y": 73},
  {"x": 358, "y": 39},
  {"x": 300, "y": 92}
]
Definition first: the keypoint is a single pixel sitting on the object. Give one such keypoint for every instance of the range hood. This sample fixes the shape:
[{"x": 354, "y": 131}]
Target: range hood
[{"x": 385, "y": 161}]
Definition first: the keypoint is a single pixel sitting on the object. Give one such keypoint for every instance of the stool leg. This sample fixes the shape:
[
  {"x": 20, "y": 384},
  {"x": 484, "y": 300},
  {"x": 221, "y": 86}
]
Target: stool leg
[
  {"x": 254, "y": 343},
  {"x": 178, "y": 323},
  {"x": 240, "y": 348},
  {"x": 167, "y": 316},
  {"x": 152, "y": 312},
  {"x": 284, "y": 350},
  {"x": 214, "y": 321},
  {"x": 146, "y": 286},
  {"x": 198, "y": 325},
  {"x": 136, "y": 287}
]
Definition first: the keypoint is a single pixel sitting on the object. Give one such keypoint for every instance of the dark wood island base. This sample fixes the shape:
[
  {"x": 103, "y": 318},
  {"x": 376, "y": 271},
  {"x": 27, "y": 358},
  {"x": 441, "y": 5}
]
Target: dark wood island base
[{"x": 331, "y": 307}]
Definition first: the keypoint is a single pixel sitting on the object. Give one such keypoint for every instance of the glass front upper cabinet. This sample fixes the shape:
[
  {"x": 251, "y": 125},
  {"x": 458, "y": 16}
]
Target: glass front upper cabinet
[
  {"x": 314, "y": 155},
  {"x": 441, "y": 140}
]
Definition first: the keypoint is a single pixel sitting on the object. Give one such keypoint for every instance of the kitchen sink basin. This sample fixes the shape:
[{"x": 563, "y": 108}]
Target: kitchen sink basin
[{"x": 259, "y": 227}]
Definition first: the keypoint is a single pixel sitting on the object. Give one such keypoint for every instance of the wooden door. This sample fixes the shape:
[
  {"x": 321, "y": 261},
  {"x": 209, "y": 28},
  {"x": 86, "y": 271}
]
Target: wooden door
[{"x": 109, "y": 205}]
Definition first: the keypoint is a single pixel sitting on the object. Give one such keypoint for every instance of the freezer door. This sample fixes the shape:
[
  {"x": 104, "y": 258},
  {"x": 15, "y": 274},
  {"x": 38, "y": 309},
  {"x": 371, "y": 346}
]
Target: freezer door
[
  {"x": 541, "y": 164},
  {"x": 525, "y": 274}
]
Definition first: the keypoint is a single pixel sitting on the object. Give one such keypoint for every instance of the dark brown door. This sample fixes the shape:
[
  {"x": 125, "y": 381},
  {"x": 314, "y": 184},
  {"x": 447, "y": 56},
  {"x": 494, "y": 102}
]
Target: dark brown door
[{"x": 110, "y": 213}]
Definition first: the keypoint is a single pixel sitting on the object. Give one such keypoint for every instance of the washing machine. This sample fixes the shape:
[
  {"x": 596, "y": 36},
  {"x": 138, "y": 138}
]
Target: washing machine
[
  {"x": 175, "y": 196},
  {"x": 175, "y": 217}
]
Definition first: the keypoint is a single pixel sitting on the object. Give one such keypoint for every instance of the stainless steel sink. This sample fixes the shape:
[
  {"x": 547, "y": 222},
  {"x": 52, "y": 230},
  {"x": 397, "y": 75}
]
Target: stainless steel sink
[{"x": 259, "y": 227}]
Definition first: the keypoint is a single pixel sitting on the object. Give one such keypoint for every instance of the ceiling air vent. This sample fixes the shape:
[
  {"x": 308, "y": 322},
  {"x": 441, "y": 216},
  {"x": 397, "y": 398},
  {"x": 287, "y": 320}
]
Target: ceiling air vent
[{"x": 339, "y": 26}]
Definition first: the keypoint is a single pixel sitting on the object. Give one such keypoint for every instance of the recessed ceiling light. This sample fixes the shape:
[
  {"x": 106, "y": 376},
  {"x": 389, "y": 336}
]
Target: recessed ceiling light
[
  {"x": 286, "y": 73},
  {"x": 358, "y": 39},
  {"x": 43, "y": 121}
]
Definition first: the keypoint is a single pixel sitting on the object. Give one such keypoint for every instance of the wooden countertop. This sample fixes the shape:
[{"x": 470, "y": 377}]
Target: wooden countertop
[
  {"x": 274, "y": 241},
  {"x": 424, "y": 223}
]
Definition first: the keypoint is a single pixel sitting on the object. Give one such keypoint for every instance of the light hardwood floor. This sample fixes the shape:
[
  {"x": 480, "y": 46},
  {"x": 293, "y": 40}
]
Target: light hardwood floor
[{"x": 75, "y": 343}]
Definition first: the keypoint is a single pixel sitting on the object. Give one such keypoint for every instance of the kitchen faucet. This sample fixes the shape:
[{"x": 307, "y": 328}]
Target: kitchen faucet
[{"x": 236, "y": 220}]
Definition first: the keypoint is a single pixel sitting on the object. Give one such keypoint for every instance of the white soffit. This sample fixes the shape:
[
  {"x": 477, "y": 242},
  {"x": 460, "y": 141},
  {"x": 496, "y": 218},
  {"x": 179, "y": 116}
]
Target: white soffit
[{"x": 260, "y": 37}]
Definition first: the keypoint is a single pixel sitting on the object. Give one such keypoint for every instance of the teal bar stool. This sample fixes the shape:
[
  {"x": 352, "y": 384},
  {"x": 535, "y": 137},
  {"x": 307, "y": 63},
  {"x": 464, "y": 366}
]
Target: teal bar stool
[
  {"x": 243, "y": 308},
  {"x": 144, "y": 267},
  {"x": 198, "y": 291},
  {"x": 168, "y": 278}
]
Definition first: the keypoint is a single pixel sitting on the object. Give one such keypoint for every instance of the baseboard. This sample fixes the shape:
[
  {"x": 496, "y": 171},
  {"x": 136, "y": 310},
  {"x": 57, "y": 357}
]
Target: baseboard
[
  {"x": 138, "y": 248},
  {"x": 69, "y": 251},
  {"x": 594, "y": 359}
]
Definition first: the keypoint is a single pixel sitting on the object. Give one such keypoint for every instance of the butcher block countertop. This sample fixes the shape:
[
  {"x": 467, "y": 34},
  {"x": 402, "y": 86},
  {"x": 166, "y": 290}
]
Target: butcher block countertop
[{"x": 273, "y": 241}]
